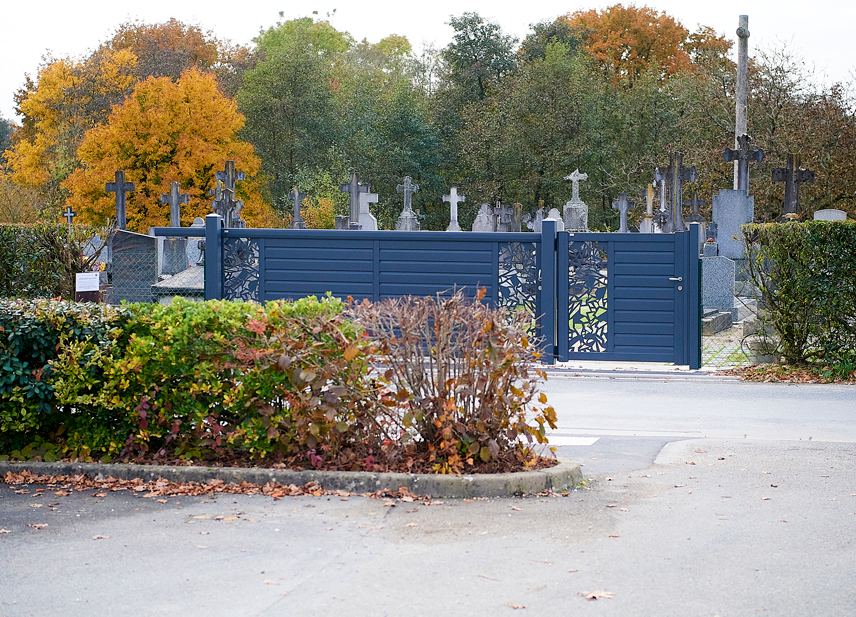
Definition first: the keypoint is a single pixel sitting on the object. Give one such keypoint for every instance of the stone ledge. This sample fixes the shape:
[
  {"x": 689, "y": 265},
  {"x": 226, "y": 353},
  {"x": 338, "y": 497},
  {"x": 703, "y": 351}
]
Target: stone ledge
[{"x": 562, "y": 477}]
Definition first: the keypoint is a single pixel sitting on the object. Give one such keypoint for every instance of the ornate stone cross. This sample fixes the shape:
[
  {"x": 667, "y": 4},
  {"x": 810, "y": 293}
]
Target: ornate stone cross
[
  {"x": 354, "y": 187},
  {"x": 69, "y": 214},
  {"x": 230, "y": 177},
  {"x": 792, "y": 176},
  {"x": 407, "y": 220},
  {"x": 575, "y": 184},
  {"x": 694, "y": 203},
  {"x": 622, "y": 204},
  {"x": 408, "y": 188},
  {"x": 674, "y": 176},
  {"x": 297, "y": 198},
  {"x": 454, "y": 199},
  {"x": 743, "y": 155},
  {"x": 120, "y": 187},
  {"x": 174, "y": 198}
]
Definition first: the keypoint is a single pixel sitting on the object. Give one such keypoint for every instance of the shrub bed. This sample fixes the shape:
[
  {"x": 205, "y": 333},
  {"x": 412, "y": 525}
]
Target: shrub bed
[
  {"x": 286, "y": 384},
  {"x": 806, "y": 274}
]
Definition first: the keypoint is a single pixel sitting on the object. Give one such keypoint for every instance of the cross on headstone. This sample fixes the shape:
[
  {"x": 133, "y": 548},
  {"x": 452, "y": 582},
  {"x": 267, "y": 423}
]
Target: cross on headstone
[
  {"x": 694, "y": 203},
  {"x": 675, "y": 175},
  {"x": 454, "y": 199},
  {"x": 503, "y": 217},
  {"x": 230, "y": 177},
  {"x": 354, "y": 188},
  {"x": 743, "y": 155},
  {"x": 622, "y": 204},
  {"x": 297, "y": 198},
  {"x": 120, "y": 187},
  {"x": 174, "y": 198},
  {"x": 408, "y": 188},
  {"x": 575, "y": 178},
  {"x": 792, "y": 176}
]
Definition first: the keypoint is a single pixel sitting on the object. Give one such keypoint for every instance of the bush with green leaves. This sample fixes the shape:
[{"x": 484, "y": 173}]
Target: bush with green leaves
[
  {"x": 806, "y": 274},
  {"x": 40, "y": 260},
  {"x": 33, "y": 334},
  {"x": 460, "y": 380}
]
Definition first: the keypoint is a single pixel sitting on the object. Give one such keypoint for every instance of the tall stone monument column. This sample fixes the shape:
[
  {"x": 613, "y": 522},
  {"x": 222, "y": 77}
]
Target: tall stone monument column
[{"x": 742, "y": 94}]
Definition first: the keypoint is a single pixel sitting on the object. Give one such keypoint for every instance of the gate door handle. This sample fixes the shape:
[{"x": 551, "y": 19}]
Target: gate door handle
[{"x": 676, "y": 278}]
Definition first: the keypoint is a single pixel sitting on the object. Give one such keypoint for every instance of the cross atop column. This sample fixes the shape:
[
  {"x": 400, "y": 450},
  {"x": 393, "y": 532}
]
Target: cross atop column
[
  {"x": 622, "y": 204},
  {"x": 354, "y": 187},
  {"x": 694, "y": 203},
  {"x": 743, "y": 155},
  {"x": 454, "y": 199},
  {"x": 297, "y": 198},
  {"x": 230, "y": 177},
  {"x": 174, "y": 198},
  {"x": 408, "y": 188},
  {"x": 575, "y": 184},
  {"x": 792, "y": 175},
  {"x": 120, "y": 187}
]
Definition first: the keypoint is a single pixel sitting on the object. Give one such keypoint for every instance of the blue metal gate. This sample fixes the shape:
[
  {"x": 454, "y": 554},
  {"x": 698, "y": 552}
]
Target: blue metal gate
[{"x": 628, "y": 297}]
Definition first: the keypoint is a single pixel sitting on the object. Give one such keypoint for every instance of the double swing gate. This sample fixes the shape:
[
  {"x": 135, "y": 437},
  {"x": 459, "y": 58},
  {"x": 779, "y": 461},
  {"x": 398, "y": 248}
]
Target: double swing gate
[{"x": 624, "y": 297}]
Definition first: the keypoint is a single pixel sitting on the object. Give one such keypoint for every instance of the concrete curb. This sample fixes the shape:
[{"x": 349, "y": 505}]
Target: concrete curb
[{"x": 562, "y": 477}]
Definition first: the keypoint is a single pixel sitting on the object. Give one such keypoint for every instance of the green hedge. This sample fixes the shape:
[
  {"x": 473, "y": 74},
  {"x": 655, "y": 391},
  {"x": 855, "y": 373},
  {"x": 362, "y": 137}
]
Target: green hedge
[
  {"x": 40, "y": 261},
  {"x": 806, "y": 273}
]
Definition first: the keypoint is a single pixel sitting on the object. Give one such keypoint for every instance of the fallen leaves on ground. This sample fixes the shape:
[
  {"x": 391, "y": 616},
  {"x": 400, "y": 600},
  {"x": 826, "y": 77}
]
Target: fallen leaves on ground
[
  {"x": 5, "y": 531},
  {"x": 37, "y": 525},
  {"x": 787, "y": 373},
  {"x": 164, "y": 488},
  {"x": 517, "y": 606},
  {"x": 100, "y": 537},
  {"x": 597, "y": 595}
]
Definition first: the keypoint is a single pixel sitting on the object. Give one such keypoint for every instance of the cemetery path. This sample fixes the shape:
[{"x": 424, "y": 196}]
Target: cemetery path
[{"x": 701, "y": 522}]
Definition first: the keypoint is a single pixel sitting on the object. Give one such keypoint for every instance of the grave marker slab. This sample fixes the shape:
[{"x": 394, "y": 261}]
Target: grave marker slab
[
  {"x": 830, "y": 214},
  {"x": 354, "y": 188},
  {"x": 407, "y": 220},
  {"x": 623, "y": 205},
  {"x": 367, "y": 220},
  {"x": 792, "y": 176},
  {"x": 485, "y": 221},
  {"x": 297, "y": 198},
  {"x": 120, "y": 187},
  {"x": 453, "y": 199}
]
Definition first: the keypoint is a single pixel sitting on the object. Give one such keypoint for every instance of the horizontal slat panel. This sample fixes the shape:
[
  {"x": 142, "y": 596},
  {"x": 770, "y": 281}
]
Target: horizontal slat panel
[
  {"x": 428, "y": 278},
  {"x": 435, "y": 245},
  {"x": 423, "y": 290},
  {"x": 650, "y": 293},
  {"x": 320, "y": 253},
  {"x": 485, "y": 269},
  {"x": 320, "y": 265},
  {"x": 642, "y": 354},
  {"x": 437, "y": 254},
  {"x": 644, "y": 317},
  {"x": 284, "y": 276},
  {"x": 318, "y": 288},
  {"x": 642, "y": 304},
  {"x": 635, "y": 269},
  {"x": 635, "y": 327},
  {"x": 644, "y": 340},
  {"x": 639, "y": 257},
  {"x": 624, "y": 280}
]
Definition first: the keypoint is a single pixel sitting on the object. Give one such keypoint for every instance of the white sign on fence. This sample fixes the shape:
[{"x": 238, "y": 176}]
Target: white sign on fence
[{"x": 87, "y": 281}]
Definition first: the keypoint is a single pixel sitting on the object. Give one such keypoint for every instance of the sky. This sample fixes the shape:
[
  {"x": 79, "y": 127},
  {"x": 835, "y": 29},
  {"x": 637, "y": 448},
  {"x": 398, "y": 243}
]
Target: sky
[{"x": 820, "y": 31}]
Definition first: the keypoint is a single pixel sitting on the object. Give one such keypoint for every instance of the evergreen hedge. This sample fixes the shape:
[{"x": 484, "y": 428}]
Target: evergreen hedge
[{"x": 806, "y": 274}]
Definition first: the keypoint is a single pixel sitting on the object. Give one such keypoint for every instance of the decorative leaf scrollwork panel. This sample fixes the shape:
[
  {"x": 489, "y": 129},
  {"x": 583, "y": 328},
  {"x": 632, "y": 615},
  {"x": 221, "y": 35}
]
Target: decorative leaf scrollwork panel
[
  {"x": 241, "y": 269},
  {"x": 518, "y": 276},
  {"x": 587, "y": 301}
]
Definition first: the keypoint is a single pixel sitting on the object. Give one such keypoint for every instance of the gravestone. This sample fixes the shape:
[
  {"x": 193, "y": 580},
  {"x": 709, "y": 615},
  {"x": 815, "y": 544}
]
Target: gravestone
[
  {"x": 575, "y": 212},
  {"x": 830, "y": 214},
  {"x": 453, "y": 199},
  {"x": 367, "y": 221},
  {"x": 517, "y": 219},
  {"x": 485, "y": 221},
  {"x": 743, "y": 155},
  {"x": 195, "y": 246},
  {"x": 536, "y": 223},
  {"x": 225, "y": 203},
  {"x": 134, "y": 266},
  {"x": 623, "y": 205},
  {"x": 646, "y": 225},
  {"x": 69, "y": 214},
  {"x": 553, "y": 214},
  {"x": 297, "y": 198},
  {"x": 793, "y": 176},
  {"x": 407, "y": 220},
  {"x": 120, "y": 187},
  {"x": 731, "y": 209},
  {"x": 674, "y": 177},
  {"x": 503, "y": 217},
  {"x": 342, "y": 222},
  {"x": 174, "y": 249},
  {"x": 709, "y": 249},
  {"x": 717, "y": 285},
  {"x": 694, "y": 203},
  {"x": 354, "y": 188}
]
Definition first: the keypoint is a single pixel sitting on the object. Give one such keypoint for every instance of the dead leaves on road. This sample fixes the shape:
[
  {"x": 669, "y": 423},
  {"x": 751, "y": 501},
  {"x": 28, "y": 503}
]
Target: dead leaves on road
[{"x": 597, "y": 595}]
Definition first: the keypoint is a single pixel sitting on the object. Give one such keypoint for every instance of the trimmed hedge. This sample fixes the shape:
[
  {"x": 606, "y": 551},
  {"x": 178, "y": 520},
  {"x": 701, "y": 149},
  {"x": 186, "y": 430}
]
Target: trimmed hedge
[
  {"x": 806, "y": 273},
  {"x": 40, "y": 261}
]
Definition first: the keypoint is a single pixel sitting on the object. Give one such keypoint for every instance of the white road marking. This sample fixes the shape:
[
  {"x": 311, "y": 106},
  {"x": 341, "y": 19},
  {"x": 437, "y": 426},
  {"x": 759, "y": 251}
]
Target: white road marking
[{"x": 566, "y": 440}]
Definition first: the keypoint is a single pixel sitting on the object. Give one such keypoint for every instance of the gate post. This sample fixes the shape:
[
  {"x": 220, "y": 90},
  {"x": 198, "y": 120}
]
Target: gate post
[
  {"x": 548, "y": 290},
  {"x": 213, "y": 257},
  {"x": 694, "y": 303}
]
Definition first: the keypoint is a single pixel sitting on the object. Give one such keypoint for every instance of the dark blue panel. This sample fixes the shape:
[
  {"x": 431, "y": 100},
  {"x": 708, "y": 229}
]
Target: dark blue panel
[
  {"x": 635, "y": 304},
  {"x": 644, "y": 269},
  {"x": 624, "y": 280},
  {"x": 321, "y": 265},
  {"x": 644, "y": 258},
  {"x": 319, "y": 253},
  {"x": 286, "y": 276},
  {"x": 300, "y": 289},
  {"x": 484, "y": 269},
  {"x": 641, "y": 327},
  {"x": 437, "y": 254},
  {"x": 434, "y": 279},
  {"x": 644, "y": 317},
  {"x": 638, "y": 293},
  {"x": 644, "y": 340}
]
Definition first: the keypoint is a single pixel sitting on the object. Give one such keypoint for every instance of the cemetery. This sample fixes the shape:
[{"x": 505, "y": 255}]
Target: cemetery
[{"x": 236, "y": 280}]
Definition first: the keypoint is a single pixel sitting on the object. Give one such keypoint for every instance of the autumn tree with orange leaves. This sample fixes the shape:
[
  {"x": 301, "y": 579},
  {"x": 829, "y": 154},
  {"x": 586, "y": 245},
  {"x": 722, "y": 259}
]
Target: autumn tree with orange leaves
[{"x": 166, "y": 131}]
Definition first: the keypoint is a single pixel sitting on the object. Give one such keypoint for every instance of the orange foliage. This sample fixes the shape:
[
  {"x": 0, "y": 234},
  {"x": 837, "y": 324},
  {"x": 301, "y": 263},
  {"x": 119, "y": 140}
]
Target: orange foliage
[
  {"x": 166, "y": 131},
  {"x": 628, "y": 39}
]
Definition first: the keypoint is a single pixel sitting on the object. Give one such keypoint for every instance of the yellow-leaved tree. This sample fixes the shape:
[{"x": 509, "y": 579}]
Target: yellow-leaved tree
[{"x": 166, "y": 131}]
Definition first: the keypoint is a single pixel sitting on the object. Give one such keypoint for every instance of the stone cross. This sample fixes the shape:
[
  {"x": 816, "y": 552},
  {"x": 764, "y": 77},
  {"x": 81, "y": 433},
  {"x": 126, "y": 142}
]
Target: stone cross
[
  {"x": 622, "y": 204},
  {"x": 575, "y": 184},
  {"x": 743, "y": 155},
  {"x": 174, "y": 198},
  {"x": 230, "y": 177},
  {"x": 675, "y": 175},
  {"x": 354, "y": 187},
  {"x": 297, "y": 198},
  {"x": 792, "y": 176},
  {"x": 120, "y": 187},
  {"x": 503, "y": 217},
  {"x": 224, "y": 193},
  {"x": 69, "y": 214},
  {"x": 646, "y": 226},
  {"x": 453, "y": 200},
  {"x": 694, "y": 203},
  {"x": 407, "y": 220}
]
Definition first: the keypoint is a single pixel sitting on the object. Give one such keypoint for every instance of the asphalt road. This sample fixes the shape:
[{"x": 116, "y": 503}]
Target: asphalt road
[{"x": 685, "y": 517}]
